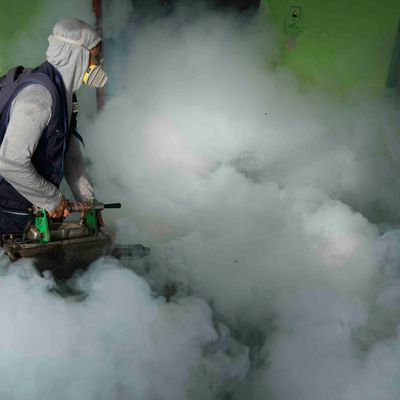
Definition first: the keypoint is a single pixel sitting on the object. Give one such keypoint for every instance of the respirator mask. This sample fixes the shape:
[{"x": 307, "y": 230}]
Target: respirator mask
[{"x": 95, "y": 76}]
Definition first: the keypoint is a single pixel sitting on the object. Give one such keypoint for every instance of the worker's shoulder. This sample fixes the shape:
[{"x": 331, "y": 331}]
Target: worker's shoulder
[
  {"x": 33, "y": 101},
  {"x": 35, "y": 93}
]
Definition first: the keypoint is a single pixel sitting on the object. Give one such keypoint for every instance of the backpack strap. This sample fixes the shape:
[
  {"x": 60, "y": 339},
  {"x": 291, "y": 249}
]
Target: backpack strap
[
  {"x": 13, "y": 74},
  {"x": 9, "y": 84},
  {"x": 75, "y": 109}
]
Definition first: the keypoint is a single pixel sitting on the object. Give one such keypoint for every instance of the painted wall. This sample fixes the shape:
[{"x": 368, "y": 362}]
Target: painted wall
[
  {"x": 14, "y": 18},
  {"x": 26, "y": 24},
  {"x": 16, "y": 15},
  {"x": 340, "y": 44}
]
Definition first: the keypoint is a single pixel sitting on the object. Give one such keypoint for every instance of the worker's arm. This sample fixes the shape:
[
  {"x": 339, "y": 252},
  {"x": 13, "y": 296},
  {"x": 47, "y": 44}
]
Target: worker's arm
[
  {"x": 75, "y": 174},
  {"x": 30, "y": 114}
]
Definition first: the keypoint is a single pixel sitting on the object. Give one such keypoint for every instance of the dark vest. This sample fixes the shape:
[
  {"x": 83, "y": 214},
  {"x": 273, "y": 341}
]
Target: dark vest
[{"x": 48, "y": 158}]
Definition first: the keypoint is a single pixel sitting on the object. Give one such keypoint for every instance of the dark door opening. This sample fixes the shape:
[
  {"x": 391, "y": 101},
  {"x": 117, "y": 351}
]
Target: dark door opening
[
  {"x": 393, "y": 80},
  {"x": 239, "y": 5}
]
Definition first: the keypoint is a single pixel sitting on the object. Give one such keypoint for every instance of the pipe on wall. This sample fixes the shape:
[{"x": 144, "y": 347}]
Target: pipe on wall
[{"x": 98, "y": 12}]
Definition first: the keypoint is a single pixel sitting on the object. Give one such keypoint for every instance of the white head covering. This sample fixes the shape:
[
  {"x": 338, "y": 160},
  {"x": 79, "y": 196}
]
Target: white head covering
[{"x": 69, "y": 48}]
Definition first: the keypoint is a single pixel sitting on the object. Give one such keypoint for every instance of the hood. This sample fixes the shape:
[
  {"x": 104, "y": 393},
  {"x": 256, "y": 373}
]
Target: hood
[{"x": 68, "y": 50}]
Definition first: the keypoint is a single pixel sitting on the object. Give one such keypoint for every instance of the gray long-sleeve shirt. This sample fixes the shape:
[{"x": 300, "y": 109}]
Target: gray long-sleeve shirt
[{"x": 30, "y": 114}]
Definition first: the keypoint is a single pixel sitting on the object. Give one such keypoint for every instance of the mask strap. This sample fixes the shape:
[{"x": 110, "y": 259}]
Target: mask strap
[{"x": 70, "y": 41}]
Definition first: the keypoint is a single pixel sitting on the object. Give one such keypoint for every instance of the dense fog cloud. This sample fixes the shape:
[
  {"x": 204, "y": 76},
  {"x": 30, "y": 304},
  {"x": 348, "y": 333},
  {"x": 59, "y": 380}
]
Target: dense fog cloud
[
  {"x": 263, "y": 196},
  {"x": 121, "y": 342},
  {"x": 269, "y": 205}
]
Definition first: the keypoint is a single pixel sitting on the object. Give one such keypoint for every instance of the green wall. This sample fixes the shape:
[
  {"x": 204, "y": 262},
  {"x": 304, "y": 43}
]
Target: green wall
[
  {"x": 26, "y": 24},
  {"x": 16, "y": 15},
  {"x": 337, "y": 44}
]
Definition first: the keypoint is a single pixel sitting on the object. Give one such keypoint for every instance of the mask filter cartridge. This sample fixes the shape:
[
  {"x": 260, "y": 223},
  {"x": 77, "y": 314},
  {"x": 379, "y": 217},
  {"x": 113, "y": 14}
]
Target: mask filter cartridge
[{"x": 95, "y": 76}]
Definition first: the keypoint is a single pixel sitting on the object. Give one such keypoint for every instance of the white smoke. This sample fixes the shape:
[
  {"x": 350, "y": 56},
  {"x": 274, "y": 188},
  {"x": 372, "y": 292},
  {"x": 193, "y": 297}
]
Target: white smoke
[
  {"x": 117, "y": 16},
  {"x": 121, "y": 342},
  {"x": 259, "y": 199},
  {"x": 259, "y": 193}
]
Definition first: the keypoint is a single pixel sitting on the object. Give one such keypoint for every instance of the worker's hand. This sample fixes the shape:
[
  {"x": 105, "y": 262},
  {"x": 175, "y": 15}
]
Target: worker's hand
[
  {"x": 80, "y": 206},
  {"x": 62, "y": 210}
]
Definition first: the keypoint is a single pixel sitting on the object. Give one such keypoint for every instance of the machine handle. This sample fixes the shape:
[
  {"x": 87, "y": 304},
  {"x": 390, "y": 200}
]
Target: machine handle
[
  {"x": 112, "y": 205},
  {"x": 96, "y": 206}
]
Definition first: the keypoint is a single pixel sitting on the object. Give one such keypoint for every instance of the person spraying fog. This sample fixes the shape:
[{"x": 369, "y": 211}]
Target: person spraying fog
[{"x": 38, "y": 137}]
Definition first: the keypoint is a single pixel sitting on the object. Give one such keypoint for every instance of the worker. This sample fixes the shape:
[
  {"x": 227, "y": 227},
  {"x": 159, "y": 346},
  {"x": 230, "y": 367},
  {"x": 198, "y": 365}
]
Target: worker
[{"x": 39, "y": 141}]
